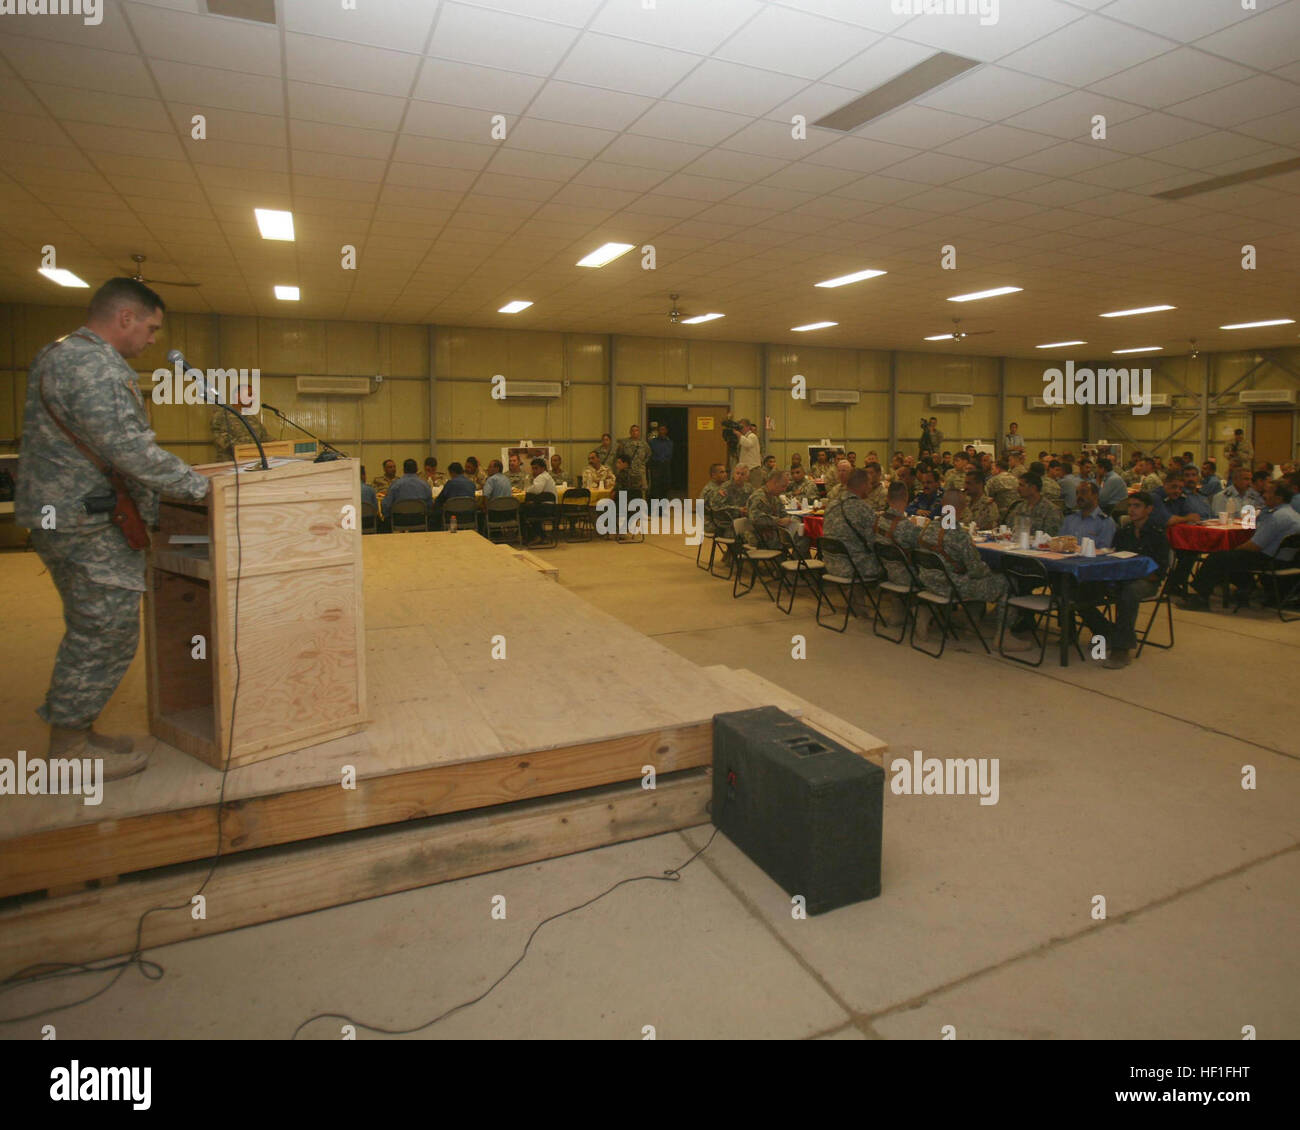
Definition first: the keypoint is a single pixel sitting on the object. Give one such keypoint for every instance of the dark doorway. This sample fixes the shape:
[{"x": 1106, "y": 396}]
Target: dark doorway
[{"x": 675, "y": 416}]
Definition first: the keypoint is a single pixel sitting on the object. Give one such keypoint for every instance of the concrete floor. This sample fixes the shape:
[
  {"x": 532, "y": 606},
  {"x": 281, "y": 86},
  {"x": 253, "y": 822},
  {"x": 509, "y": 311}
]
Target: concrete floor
[{"x": 1121, "y": 784}]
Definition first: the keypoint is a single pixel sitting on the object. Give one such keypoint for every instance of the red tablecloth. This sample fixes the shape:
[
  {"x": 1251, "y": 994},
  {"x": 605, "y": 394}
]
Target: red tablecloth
[
  {"x": 812, "y": 526},
  {"x": 1208, "y": 537}
]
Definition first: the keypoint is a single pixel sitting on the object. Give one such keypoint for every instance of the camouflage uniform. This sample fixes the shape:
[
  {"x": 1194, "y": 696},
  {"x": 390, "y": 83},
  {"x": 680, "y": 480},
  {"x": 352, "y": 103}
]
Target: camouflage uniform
[
  {"x": 381, "y": 483},
  {"x": 520, "y": 479},
  {"x": 765, "y": 511},
  {"x": 98, "y": 576},
  {"x": 984, "y": 513},
  {"x": 954, "y": 480},
  {"x": 896, "y": 528},
  {"x": 1052, "y": 492},
  {"x": 478, "y": 478},
  {"x": 834, "y": 489},
  {"x": 637, "y": 452},
  {"x": 1042, "y": 516},
  {"x": 878, "y": 499},
  {"x": 1130, "y": 476},
  {"x": 227, "y": 432},
  {"x": 726, "y": 506},
  {"x": 975, "y": 580},
  {"x": 805, "y": 491},
  {"x": 707, "y": 496},
  {"x": 1002, "y": 489},
  {"x": 852, "y": 521},
  {"x": 597, "y": 478},
  {"x": 1152, "y": 482}
]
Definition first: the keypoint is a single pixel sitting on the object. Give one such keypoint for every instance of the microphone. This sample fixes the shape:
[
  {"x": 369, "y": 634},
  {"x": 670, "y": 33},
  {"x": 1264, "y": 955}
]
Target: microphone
[{"x": 212, "y": 396}]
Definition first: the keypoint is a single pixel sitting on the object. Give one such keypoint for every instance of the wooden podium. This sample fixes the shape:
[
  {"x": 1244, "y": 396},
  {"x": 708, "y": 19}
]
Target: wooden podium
[{"x": 275, "y": 594}]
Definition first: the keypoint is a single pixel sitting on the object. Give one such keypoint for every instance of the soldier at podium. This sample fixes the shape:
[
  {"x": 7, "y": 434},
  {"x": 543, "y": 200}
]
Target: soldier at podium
[
  {"x": 85, "y": 418},
  {"x": 228, "y": 433}
]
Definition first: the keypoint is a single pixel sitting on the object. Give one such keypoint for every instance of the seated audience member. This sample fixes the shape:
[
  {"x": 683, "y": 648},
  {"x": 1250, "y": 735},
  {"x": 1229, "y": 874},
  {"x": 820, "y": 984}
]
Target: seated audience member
[
  {"x": 1142, "y": 534},
  {"x": 1275, "y": 522},
  {"x": 929, "y": 499},
  {"x": 1003, "y": 487},
  {"x": 1016, "y": 462},
  {"x": 518, "y": 476},
  {"x": 767, "y": 512},
  {"x": 431, "y": 474},
  {"x": 717, "y": 480},
  {"x": 983, "y": 511},
  {"x": 1148, "y": 480},
  {"x": 852, "y": 457},
  {"x": 894, "y": 527},
  {"x": 1042, "y": 514},
  {"x": 1258, "y": 478},
  {"x": 731, "y": 501},
  {"x": 1089, "y": 521},
  {"x": 851, "y": 519},
  {"x": 955, "y": 476},
  {"x": 386, "y": 480},
  {"x": 907, "y": 476},
  {"x": 542, "y": 484},
  {"x": 558, "y": 473},
  {"x": 596, "y": 476},
  {"x": 796, "y": 460},
  {"x": 1175, "y": 506},
  {"x": 368, "y": 492},
  {"x": 802, "y": 489},
  {"x": 877, "y": 490},
  {"x": 542, "y": 481},
  {"x": 1051, "y": 485},
  {"x": 410, "y": 487},
  {"x": 1131, "y": 475},
  {"x": 1069, "y": 483},
  {"x": 1111, "y": 490},
  {"x": 456, "y": 486},
  {"x": 496, "y": 485},
  {"x": 822, "y": 469},
  {"x": 1293, "y": 481},
  {"x": 474, "y": 473},
  {"x": 1238, "y": 493},
  {"x": 836, "y": 487},
  {"x": 1211, "y": 484}
]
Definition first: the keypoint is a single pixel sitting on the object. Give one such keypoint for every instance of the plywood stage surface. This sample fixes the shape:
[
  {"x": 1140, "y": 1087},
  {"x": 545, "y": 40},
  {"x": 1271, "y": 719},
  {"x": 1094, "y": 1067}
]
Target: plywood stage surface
[{"x": 579, "y": 700}]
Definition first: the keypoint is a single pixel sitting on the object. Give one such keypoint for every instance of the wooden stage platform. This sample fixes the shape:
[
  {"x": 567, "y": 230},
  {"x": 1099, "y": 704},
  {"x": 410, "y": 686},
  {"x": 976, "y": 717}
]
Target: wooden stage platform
[{"x": 470, "y": 763}]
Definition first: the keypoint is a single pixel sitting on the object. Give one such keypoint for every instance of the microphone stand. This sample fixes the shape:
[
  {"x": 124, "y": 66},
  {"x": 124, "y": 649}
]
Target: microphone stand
[
  {"x": 261, "y": 451},
  {"x": 330, "y": 452}
]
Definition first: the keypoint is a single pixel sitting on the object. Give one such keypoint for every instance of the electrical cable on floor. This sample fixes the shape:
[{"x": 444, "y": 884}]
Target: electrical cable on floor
[
  {"x": 672, "y": 875},
  {"x": 150, "y": 970}
]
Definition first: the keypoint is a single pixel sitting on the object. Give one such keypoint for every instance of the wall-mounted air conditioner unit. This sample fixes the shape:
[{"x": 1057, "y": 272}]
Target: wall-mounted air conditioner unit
[
  {"x": 333, "y": 386},
  {"x": 533, "y": 390},
  {"x": 1267, "y": 397},
  {"x": 951, "y": 400},
  {"x": 1039, "y": 402},
  {"x": 835, "y": 396}
]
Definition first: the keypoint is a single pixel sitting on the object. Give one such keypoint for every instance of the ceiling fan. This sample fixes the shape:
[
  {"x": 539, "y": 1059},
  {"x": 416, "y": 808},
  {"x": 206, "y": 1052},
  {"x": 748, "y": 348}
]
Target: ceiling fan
[
  {"x": 139, "y": 275},
  {"x": 959, "y": 334},
  {"x": 675, "y": 316}
]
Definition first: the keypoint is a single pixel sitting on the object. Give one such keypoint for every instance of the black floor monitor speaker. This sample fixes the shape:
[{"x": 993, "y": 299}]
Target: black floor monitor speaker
[{"x": 804, "y": 808}]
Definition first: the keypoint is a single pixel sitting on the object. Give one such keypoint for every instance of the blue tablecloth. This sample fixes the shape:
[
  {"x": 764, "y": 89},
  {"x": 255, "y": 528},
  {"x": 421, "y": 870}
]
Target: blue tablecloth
[{"x": 1106, "y": 568}]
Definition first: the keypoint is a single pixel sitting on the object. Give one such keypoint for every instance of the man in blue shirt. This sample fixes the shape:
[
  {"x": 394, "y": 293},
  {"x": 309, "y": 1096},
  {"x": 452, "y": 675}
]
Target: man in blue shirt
[
  {"x": 928, "y": 503},
  {"x": 1277, "y": 522},
  {"x": 409, "y": 488},
  {"x": 1174, "y": 505},
  {"x": 1069, "y": 486},
  {"x": 1112, "y": 489},
  {"x": 1090, "y": 521},
  {"x": 1211, "y": 484},
  {"x": 368, "y": 492},
  {"x": 496, "y": 485},
  {"x": 457, "y": 486},
  {"x": 1237, "y": 494},
  {"x": 661, "y": 463}
]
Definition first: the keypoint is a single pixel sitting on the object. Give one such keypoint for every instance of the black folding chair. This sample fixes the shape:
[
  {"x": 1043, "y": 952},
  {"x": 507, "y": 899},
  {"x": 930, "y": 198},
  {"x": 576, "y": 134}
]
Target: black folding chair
[
  {"x": 537, "y": 511},
  {"x": 1025, "y": 577},
  {"x": 828, "y": 548},
  {"x": 941, "y": 604},
  {"x": 797, "y": 567},
  {"x": 760, "y": 561},
  {"x": 1271, "y": 568},
  {"x": 501, "y": 520},
  {"x": 369, "y": 518},
  {"x": 409, "y": 514},
  {"x": 464, "y": 510},
  {"x": 576, "y": 515},
  {"x": 889, "y": 553},
  {"x": 1163, "y": 595}
]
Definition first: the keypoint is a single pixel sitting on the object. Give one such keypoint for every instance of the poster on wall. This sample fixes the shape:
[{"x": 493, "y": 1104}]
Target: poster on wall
[
  {"x": 1101, "y": 448},
  {"x": 833, "y": 450},
  {"x": 527, "y": 453}
]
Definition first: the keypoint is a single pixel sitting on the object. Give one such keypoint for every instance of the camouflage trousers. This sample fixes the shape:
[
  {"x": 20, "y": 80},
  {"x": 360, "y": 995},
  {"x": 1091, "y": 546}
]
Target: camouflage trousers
[
  {"x": 102, "y": 624},
  {"x": 992, "y": 588}
]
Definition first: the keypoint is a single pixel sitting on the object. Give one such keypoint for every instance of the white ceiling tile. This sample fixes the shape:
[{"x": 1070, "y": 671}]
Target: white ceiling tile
[
  {"x": 110, "y": 34},
  {"x": 861, "y": 154},
  {"x": 548, "y": 166},
  {"x": 999, "y": 181},
  {"x": 1131, "y": 172},
  {"x": 1283, "y": 128},
  {"x": 685, "y": 25},
  {"x": 332, "y": 104},
  {"x": 583, "y": 106},
  {"x": 880, "y": 62},
  {"x": 1068, "y": 158},
  {"x": 445, "y": 154},
  {"x": 182, "y": 37},
  {"x": 877, "y": 17},
  {"x": 776, "y": 139},
  {"x": 651, "y": 153},
  {"x": 459, "y": 84},
  {"x": 399, "y": 24},
  {"x": 319, "y": 138},
  {"x": 734, "y": 166},
  {"x": 127, "y": 142},
  {"x": 1184, "y": 20},
  {"x": 228, "y": 125},
  {"x": 992, "y": 93},
  {"x": 675, "y": 121},
  {"x": 1071, "y": 115},
  {"x": 456, "y": 123},
  {"x": 498, "y": 39},
  {"x": 210, "y": 86},
  {"x": 918, "y": 126},
  {"x": 619, "y": 64},
  {"x": 998, "y": 143},
  {"x": 1087, "y": 51},
  {"x": 795, "y": 43},
  {"x": 1014, "y": 24},
  {"x": 698, "y": 188},
  {"x": 107, "y": 109},
  {"x": 719, "y": 85},
  {"x": 935, "y": 168},
  {"x": 1171, "y": 78},
  {"x": 806, "y": 178},
  {"x": 1209, "y": 149},
  {"x": 330, "y": 62},
  {"x": 1255, "y": 97},
  {"x": 1152, "y": 131},
  {"x": 603, "y": 174},
  {"x": 82, "y": 67},
  {"x": 558, "y": 138}
]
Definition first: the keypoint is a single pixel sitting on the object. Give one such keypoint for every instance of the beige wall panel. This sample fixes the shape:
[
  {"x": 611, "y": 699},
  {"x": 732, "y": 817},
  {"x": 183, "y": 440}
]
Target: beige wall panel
[
  {"x": 291, "y": 345},
  {"x": 8, "y": 332},
  {"x": 37, "y": 326},
  {"x": 352, "y": 349},
  {"x": 587, "y": 358},
  {"x": 239, "y": 343},
  {"x": 406, "y": 351}
]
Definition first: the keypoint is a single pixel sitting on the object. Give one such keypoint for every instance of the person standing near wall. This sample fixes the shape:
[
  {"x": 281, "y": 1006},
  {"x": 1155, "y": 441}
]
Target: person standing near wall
[
  {"x": 661, "y": 463},
  {"x": 749, "y": 450},
  {"x": 637, "y": 452},
  {"x": 85, "y": 431}
]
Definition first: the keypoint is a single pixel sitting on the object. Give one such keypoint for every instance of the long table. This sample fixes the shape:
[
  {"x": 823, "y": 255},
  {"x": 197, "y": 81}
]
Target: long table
[{"x": 1072, "y": 568}]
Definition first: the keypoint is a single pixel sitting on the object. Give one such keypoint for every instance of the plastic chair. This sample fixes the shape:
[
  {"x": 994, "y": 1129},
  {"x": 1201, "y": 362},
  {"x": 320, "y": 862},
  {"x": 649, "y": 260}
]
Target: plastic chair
[
  {"x": 464, "y": 510},
  {"x": 501, "y": 517},
  {"x": 1025, "y": 576},
  {"x": 537, "y": 510},
  {"x": 576, "y": 514},
  {"x": 1164, "y": 596},
  {"x": 369, "y": 518},
  {"x": 1271, "y": 568},
  {"x": 941, "y": 604}
]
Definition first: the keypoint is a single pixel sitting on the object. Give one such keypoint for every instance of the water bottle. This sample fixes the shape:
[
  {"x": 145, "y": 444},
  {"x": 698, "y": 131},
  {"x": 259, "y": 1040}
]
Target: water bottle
[
  {"x": 451, "y": 526},
  {"x": 1022, "y": 532}
]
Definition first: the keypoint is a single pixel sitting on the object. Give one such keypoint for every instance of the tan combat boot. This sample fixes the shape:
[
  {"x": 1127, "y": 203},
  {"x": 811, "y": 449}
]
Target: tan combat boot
[{"x": 68, "y": 743}]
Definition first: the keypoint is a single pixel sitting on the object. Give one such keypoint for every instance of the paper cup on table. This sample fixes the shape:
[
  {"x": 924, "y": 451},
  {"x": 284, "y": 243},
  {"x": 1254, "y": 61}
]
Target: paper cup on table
[{"x": 1088, "y": 547}]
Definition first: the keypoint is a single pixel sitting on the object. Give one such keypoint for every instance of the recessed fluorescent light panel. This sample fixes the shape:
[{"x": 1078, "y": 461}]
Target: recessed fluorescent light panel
[
  {"x": 1059, "y": 344},
  {"x": 62, "y": 277},
  {"x": 986, "y": 293},
  {"x": 606, "y": 254},
  {"x": 1141, "y": 349},
  {"x": 812, "y": 326},
  {"x": 274, "y": 225},
  {"x": 844, "y": 280},
  {"x": 287, "y": 293},
  {"x": 1256, "y": 325},
  {"x": 702, "y": 318},
  {"x": 939, "y": 337},
  {"x": 514, "y": 307},
  {"x": 1136, "y": 310},
  {"x": 898, "y": 91}
]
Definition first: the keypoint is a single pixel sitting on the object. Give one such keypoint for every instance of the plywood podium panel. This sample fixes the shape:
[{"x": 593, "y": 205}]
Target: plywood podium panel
[{"x": 255, "y": 640}]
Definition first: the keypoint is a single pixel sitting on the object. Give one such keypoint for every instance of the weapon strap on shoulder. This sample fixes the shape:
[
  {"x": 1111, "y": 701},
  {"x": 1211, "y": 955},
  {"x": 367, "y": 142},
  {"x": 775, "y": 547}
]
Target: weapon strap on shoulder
[
  {"x": 957, "y": 566},
  {"x": 126, "y": 515}
]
